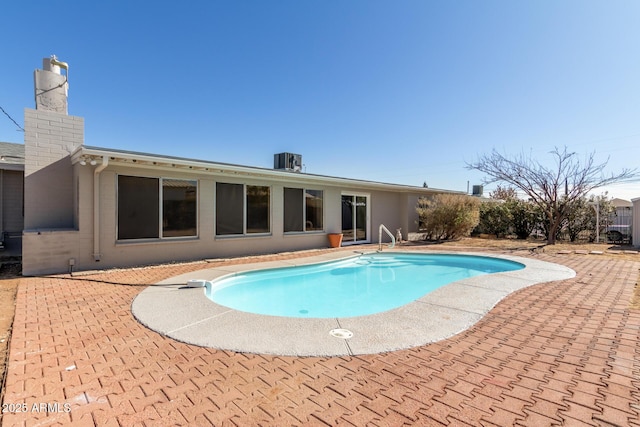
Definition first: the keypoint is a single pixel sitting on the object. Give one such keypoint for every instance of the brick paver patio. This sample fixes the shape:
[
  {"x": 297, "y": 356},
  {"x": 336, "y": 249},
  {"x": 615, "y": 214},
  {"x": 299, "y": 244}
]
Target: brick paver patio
[{"x": 562, "y": 353}]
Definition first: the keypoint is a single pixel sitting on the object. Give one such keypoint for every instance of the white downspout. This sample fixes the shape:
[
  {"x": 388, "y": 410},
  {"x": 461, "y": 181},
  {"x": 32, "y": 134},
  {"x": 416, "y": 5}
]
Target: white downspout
[{"x": 96, "y": 207}]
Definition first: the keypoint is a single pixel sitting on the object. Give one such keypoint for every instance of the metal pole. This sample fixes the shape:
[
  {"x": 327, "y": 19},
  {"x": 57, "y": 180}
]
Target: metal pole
[{"x": 597, "y": 208}]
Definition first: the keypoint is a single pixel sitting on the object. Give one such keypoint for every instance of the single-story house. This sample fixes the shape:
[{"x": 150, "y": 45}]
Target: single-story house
[
  {"x": 90, "y": 207},
  {"x": 11, "y": 197}
]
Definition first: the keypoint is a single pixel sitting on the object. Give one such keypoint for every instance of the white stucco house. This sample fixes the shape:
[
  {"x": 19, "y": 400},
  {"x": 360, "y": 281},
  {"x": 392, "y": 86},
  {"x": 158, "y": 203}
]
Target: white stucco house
[{"x": 89, "y": 207}]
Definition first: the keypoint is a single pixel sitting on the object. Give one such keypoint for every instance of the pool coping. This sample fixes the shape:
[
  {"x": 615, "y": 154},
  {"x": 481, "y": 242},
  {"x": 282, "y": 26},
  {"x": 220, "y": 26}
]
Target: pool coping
[{"x": 187, "y": 315}]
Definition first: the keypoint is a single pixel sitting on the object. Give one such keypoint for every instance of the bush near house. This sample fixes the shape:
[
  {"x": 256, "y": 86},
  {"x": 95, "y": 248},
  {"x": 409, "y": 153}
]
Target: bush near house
[
  {"x": 524, "y": 217},
  {"x": 505, "y": 214},
  {"x": 502, "y": 218},
  {"x": 495, "y": 219},
  {"x": 448, "y": 216}
]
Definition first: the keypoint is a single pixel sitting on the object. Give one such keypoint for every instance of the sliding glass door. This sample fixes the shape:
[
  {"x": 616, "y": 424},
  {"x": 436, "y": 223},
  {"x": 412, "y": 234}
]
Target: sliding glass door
[{"x": 355, "y": 218}]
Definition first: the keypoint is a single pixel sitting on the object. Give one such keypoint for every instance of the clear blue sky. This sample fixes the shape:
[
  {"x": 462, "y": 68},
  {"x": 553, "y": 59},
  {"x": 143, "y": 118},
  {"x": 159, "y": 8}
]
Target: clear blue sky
[{"x": 393, "y": 91}]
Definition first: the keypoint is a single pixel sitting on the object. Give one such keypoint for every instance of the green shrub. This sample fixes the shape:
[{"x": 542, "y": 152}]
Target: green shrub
[
  {"x": 495, "y": 218},
  {"x": 524, "y": 216},
  {"x": 448, "y": 216}
]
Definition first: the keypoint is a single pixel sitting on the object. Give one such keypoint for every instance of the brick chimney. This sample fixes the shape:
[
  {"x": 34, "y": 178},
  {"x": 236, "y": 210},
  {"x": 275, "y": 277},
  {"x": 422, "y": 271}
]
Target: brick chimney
[{"x": 51, "y": 135}]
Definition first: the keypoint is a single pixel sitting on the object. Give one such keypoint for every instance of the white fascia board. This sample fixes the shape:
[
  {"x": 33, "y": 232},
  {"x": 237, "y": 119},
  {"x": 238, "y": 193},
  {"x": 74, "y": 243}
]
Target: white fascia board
[{"x": 145, "y": 160}]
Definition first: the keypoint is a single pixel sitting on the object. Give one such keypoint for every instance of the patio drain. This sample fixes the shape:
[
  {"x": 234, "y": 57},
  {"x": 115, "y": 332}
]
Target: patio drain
[{"x": 341, "y": 333}]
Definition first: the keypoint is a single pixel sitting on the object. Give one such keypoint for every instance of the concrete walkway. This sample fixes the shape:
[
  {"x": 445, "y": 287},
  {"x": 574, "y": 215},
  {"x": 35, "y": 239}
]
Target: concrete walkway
[{"x": 563, "y": 353}]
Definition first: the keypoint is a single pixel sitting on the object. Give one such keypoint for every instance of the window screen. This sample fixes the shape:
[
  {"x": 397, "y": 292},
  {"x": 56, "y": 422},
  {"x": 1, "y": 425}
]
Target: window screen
[
  {"x": 313, "y": 210},
  {"x": 302, "y": 210},
  {"x": 138, "y": 207},
  {"x": 229, "y": 209},
  {"x": 293, "y": 209},
  {"x": 258, "y": 208},
  {"x": 179, "y": 208}
]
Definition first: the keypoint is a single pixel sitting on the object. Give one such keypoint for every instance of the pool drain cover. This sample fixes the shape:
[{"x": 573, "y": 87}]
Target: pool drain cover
[{"x": 341, "y": 333}]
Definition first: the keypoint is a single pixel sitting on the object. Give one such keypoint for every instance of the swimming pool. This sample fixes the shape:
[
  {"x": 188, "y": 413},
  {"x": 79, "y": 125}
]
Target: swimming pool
[
  {"x": 357, "y": 286},
  {"x": 185, "y": 314}
]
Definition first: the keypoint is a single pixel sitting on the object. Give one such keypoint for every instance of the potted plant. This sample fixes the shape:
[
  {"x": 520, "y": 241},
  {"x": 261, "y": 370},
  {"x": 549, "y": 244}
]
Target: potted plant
[{"x": 335, "y": 240}]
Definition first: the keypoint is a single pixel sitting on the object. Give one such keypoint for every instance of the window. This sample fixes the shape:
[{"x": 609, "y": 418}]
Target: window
[
  {"x": 293, "y": 209},
  {"x": 258, "y": 218},
  {"x": 140, "y": 201},
  {"x": 242, "y": 209},
  {"x": 355, "y": 218},
  {"x": 302, "y": 210},
  {"x": 179, "y": 214},
  {"x": 229, "y": 209},
  {"x": 313, "y": 210},
  {"x": 138, "y": 207}
]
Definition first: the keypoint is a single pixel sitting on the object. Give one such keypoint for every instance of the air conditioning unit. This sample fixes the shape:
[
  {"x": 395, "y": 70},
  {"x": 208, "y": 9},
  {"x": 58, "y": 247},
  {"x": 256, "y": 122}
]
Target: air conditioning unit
[
  {"x": 287, "y": 161},
  {"x": 477, "y": 190}
]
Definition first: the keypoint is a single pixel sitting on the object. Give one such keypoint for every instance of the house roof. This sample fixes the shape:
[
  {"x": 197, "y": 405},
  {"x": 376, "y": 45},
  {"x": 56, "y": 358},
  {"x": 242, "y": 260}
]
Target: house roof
[
  {"x": 621, "y": 203},
  {"x": 160, "y": 162},
  {"x": 11, "y": 156}
]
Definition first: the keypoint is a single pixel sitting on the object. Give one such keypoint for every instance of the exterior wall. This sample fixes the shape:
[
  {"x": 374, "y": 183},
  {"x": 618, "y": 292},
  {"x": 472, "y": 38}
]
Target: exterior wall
[
  {"x": 11, "y": 192},
  {"x": 49, "y": 140},
  {"x": 388, "y": 209},
  {"x": 395, "y": 211},
  {"x": 206, "y": 244},
  {"x": 51, "y": 240},
  {"x": 52, "y": 251},
  {"x": 413, "y": 219},
  {"x": 48, "y": 251}
]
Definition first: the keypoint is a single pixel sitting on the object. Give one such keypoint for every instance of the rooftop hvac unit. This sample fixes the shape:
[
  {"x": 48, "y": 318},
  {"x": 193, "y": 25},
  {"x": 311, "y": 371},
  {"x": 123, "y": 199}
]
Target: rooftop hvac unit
[
  {"x": 477, "y": 190},
  {"x": 287, "y": 161}
]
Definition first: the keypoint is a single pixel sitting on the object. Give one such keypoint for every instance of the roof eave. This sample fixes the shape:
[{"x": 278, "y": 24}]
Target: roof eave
[{"x": 145, "y": 160}]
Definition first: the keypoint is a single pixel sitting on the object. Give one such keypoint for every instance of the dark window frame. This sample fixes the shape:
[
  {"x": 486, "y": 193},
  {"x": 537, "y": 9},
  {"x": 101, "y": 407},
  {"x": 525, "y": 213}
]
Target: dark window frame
[
  {"x": 183, "y": 223},
  {"x": 238, "y": 220},
  {"x": 298, "y": 221},
  {"x": 154, "y": 211}
]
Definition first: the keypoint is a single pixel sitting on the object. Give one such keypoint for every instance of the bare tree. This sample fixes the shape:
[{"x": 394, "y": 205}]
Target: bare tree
[
  {"x": 552, "y": 189},
  {"x": 504, "y": 193}
]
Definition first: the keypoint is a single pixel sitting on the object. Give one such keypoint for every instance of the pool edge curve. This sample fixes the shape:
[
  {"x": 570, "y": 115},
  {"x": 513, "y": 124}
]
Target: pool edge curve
[{"x": 187, "y": 315}]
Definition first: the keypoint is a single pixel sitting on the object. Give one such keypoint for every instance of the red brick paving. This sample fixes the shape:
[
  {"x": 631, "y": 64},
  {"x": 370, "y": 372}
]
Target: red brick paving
[{"x": 563, "y": 353}]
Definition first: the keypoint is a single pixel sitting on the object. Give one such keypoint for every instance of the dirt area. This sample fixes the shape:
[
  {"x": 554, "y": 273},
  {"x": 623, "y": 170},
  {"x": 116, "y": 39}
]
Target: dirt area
[
  {"x": 10, "y": 273},
  {"x": 607, "y": 249}
]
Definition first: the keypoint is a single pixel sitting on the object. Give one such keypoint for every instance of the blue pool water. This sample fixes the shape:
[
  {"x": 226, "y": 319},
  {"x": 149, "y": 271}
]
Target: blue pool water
[{"x": 353, "y": 287}]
